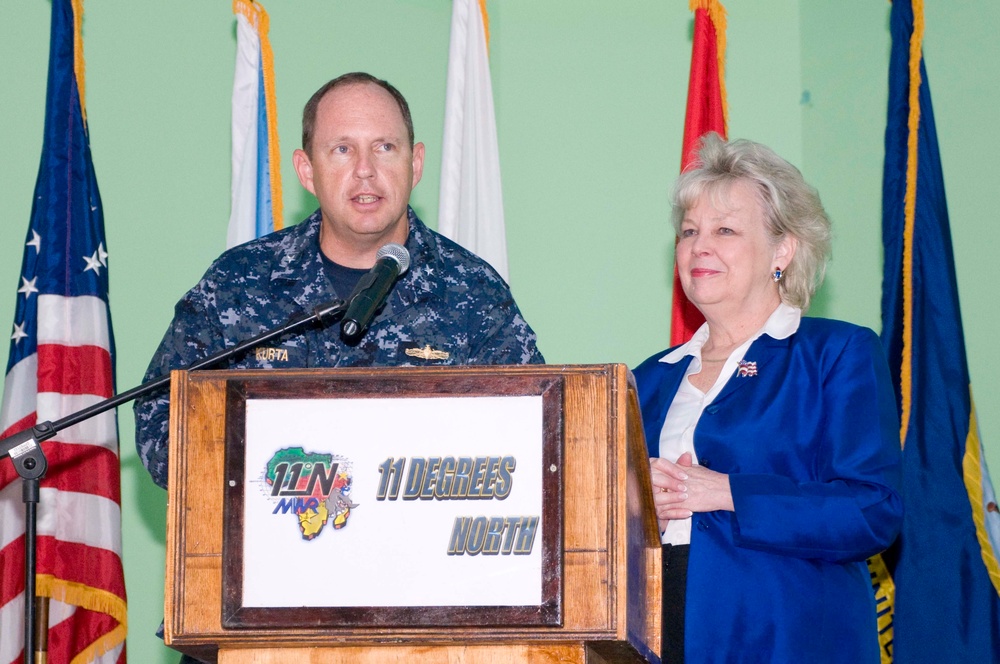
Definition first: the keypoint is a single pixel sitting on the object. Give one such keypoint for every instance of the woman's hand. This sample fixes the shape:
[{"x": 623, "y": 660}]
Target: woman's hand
[{"x": 680, "y": 489}]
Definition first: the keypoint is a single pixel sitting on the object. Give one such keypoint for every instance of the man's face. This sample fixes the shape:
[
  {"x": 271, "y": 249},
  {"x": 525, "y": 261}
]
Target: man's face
[{"x": 361, "y": 169}]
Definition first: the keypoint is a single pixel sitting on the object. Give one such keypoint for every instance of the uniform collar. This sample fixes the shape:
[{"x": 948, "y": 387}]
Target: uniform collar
[{"x": 298, "y": 269}]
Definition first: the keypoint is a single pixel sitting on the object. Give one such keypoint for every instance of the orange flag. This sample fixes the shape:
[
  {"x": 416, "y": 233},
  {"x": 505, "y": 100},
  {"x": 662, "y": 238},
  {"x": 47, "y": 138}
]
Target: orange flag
[{"x": 706, "y": 111}]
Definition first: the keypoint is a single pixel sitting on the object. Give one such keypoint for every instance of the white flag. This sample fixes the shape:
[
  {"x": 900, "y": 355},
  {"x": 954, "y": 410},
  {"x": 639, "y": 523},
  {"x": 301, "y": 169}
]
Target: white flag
[
  {"x": 256, "y": 183},
  {"x": 471, "y": 205}
]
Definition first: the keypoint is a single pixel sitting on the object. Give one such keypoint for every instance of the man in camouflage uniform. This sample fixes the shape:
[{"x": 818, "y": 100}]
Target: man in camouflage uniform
[{"x": 359, "y": 159}]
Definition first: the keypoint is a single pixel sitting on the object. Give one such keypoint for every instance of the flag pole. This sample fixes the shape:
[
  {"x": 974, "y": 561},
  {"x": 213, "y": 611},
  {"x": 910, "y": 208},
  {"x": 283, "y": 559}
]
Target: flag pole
[
  {"x": 41, "y": 630},
  {"x": 30, "y": 492}
]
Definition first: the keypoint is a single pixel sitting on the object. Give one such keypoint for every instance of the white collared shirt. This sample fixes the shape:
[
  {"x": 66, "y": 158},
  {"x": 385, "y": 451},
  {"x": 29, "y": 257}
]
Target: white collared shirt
[{"x": 677, "y": 434}]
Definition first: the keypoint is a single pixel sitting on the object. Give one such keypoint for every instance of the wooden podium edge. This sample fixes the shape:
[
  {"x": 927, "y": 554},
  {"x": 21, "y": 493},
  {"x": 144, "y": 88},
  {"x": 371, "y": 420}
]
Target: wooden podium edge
[
  {"x": 175, "y": 518},
  {"x": 638, "y": 629}
]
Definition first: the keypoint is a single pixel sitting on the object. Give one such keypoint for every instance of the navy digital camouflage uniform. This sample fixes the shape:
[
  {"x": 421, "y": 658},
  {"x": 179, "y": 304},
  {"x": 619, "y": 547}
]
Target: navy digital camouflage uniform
[{"x": 449, "y": 300}]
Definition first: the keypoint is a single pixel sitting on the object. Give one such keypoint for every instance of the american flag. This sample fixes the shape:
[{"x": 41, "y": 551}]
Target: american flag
[{"x": 62, "y": 360}]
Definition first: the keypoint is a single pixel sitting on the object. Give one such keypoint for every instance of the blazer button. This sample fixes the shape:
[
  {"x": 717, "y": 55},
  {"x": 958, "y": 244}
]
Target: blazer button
[{"x": 705, "y": 462}]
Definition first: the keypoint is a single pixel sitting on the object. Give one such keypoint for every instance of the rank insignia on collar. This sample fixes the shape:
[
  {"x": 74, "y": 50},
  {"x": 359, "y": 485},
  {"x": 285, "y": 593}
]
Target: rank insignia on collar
[
  {"x": 427, "y": 353},
  {"x": 746, "y": 369}
]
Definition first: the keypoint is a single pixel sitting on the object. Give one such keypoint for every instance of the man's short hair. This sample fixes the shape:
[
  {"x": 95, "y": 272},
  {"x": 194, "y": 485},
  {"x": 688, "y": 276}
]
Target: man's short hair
[{"x": 353, "y": 78}]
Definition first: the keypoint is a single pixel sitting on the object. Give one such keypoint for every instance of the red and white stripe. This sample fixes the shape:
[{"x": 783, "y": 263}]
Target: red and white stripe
[{"x": 79, "y": 513}]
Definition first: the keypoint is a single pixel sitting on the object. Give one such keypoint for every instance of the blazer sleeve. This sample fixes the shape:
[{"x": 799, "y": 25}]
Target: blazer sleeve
[{"x": 849, "y": 508}]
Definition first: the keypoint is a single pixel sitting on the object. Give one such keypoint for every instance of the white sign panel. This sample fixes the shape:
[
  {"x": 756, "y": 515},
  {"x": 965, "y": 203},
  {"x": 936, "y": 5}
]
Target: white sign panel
[{"x": 432, "y": 501}]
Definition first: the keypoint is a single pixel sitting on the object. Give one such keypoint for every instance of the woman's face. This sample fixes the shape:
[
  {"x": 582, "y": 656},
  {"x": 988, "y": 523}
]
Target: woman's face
[{"x": 724, "y": 254}]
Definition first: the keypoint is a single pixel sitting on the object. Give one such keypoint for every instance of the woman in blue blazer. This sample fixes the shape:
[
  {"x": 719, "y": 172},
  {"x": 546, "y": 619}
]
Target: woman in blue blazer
[{"x": 773, "y": 438}]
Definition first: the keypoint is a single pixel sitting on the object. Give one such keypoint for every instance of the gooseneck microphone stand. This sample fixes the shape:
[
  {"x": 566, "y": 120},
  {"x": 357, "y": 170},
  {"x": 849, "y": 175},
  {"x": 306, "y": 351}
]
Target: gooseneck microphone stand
[{"x": 29, "y": 461}]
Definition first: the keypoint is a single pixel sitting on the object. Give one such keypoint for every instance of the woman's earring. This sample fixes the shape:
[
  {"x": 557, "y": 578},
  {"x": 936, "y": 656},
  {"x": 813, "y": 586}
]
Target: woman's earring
[{"x": 777, "y": 275}]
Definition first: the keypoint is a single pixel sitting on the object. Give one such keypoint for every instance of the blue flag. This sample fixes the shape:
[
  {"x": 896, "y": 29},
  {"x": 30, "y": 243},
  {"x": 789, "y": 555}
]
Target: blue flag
[{"x": 944, "y": 565}]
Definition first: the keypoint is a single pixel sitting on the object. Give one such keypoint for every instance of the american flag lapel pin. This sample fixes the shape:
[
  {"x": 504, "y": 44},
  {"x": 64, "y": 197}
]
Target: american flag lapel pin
[{"x": 746, "y": 369}]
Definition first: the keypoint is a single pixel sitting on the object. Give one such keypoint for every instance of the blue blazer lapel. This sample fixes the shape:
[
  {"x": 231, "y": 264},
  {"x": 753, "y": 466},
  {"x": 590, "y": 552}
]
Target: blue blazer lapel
[
  {"x": 762, "y": 353},
  {"x": 659, "y": 388}
]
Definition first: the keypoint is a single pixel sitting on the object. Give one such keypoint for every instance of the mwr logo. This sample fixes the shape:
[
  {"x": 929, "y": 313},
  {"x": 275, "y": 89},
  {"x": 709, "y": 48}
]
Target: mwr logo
[{"x": 313, "y": 486}]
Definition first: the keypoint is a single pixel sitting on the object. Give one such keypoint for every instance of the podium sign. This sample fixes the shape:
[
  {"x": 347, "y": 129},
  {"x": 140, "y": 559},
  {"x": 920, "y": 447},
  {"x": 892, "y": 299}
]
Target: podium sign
[
  {"x": 345, "y": 500},
  {"x": 484, "y": 515}
]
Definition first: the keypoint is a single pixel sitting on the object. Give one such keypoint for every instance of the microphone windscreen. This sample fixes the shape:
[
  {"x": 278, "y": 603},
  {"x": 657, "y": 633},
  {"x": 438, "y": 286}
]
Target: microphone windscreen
[{"x": 398, "y": 253}]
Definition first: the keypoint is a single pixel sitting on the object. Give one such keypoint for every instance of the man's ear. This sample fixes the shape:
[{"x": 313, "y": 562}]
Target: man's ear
[
  {"x": 304, "y": 169},
  {"x": 418, "y": 163}
]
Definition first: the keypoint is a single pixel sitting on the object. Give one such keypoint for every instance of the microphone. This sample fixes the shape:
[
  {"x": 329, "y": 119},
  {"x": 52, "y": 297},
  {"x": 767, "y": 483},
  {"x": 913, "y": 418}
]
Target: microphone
[{"x": 391, "y": 261}]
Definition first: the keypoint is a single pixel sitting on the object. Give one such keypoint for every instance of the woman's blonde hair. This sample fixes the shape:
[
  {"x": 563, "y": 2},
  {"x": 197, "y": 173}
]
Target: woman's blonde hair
[{"x": 791, "y": 206}]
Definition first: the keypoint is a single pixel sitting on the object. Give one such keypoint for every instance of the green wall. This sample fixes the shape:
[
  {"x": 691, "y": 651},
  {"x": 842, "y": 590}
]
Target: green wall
[
  {"x": 590, "y": 102},
  {"x": 845, "y": 48}
]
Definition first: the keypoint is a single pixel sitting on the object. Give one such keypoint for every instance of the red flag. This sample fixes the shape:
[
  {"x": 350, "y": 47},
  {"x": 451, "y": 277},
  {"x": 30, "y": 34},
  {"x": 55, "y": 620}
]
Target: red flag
[
  {"x": 706, "y": 112},
  {"x": 61, "y": 361}
]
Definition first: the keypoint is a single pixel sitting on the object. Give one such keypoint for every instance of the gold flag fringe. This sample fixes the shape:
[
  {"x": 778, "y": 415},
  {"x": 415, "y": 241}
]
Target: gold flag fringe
[
  {"x": 92, "y": 599},
  {"x": 909, "y": 216},
  {"x": 78, "y": 63},
  {"x": 486, "y": 23}
]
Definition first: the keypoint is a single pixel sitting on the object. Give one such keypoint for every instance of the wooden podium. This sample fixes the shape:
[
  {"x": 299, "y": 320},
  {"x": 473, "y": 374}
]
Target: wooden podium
[{"x": 601, "y": 565}]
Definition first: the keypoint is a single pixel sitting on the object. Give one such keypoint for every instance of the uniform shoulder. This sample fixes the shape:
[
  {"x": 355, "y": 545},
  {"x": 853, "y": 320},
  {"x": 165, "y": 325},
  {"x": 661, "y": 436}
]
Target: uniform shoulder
[
  {"x": 278, "y": 247},
  {"x": 459, "y": 259}
]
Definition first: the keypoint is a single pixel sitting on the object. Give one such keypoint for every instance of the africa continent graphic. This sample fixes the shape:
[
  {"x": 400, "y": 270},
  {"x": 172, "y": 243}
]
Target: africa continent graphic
[{"x": 313, "y": 486}]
